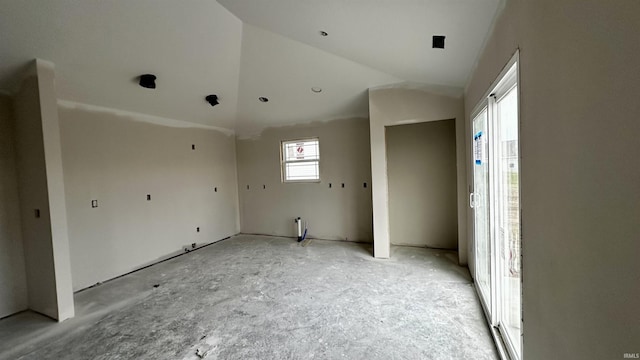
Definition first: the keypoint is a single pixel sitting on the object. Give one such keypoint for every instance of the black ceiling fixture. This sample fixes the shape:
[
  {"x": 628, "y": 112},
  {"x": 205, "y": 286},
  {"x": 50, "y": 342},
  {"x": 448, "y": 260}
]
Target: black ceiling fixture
[
  {"x": 438, "y": 41},
  {"x": 148, "y": 81},
  {"x": 323, "y": 33},
  {"x": 263, "y": 99},
  {"x": 212, "y": 99}
]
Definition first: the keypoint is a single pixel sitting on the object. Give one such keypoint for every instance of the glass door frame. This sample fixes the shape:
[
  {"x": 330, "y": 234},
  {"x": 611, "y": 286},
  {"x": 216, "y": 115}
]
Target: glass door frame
[
  {"x": 489, "y": 303},
  {"x": 507, "y": 84},
  {"x": 508, "y": 78}
]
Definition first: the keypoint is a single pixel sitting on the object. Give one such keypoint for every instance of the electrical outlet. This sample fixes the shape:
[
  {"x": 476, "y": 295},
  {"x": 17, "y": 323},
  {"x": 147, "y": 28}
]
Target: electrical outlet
[
  {"x": 198, "y": 229},
  {"x": 193, "y": 245},
  {"x": 148, "y": 197},
  {"x": 94, "y": 203}
]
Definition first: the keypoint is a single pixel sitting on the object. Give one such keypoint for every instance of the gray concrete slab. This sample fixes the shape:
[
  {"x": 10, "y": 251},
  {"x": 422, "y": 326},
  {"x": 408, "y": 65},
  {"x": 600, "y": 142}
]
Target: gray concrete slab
[{"x": 256, "y": 297}]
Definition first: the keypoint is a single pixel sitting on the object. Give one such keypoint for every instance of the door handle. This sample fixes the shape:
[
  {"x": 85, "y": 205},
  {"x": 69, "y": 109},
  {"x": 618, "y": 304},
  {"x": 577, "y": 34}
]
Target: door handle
[{"x": 472, "y": 200}]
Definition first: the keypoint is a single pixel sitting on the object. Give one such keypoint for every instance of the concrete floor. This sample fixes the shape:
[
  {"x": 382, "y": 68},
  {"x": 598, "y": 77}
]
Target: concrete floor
[{"x": 255, "y": 297}]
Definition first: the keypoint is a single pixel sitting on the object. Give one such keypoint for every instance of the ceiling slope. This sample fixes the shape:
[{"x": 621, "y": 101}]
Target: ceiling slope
[
  {"x": 393, "y": 36},
  {"x": 99, "y": 48},
  {"x": 200, "y": 47},
  {"x": 285, "y": 70}
]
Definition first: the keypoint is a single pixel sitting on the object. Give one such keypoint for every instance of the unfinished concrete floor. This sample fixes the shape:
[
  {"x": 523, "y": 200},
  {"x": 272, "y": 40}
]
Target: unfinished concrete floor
[{"x": 255, "y": 297}]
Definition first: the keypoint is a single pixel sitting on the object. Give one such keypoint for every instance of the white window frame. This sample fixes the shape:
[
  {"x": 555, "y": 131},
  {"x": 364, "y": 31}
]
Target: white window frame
[
  {"x": 506, "y": 80},
  {"x": 284, "y": 162}
]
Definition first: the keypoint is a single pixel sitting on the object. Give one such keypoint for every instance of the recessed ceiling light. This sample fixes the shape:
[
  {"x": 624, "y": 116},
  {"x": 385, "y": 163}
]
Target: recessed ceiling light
[
  {"x": 323, "y": 33},
  {"x": 316, "y": 89},
  {"x": 263, "y": 99}
]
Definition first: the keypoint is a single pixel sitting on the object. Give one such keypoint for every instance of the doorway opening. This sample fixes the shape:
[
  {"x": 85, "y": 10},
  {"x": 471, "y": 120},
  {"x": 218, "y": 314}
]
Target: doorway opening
[{"x": 422, "y": 187}]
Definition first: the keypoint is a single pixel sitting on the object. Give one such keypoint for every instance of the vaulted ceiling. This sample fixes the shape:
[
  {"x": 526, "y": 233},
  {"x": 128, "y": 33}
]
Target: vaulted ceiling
[{"x": 242, "y": 50}]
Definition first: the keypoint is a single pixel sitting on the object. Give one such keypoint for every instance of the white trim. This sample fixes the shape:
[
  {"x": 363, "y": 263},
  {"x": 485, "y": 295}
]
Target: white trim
[
  {"x": 515, "y": 58},
  {"x": 494, "y": 251},
  {"x": 500, "y": 345},
  {"x": 498, "y": 341},
  {"x": 508, "y": 78},
  {"x": 506, "y": 83},
  {"x": 283, "y": 161},
  {"x": 486, "y": 303}
]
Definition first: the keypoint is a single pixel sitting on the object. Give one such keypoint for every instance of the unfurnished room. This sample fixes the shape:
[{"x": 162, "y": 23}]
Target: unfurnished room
[{"x": 338, "y": 179}]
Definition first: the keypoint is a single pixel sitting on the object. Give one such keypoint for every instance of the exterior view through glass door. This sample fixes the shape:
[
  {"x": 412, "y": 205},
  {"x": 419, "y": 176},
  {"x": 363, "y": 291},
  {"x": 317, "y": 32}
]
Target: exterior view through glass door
[
  {"x": 496, "y": 204},
  {"x": 507, "y": 224},
  {"x": 480, "y": 202}
]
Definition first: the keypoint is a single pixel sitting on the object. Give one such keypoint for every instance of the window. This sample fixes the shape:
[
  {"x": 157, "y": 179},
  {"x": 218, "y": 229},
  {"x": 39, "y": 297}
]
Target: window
[{"x": 301, "y": 160}]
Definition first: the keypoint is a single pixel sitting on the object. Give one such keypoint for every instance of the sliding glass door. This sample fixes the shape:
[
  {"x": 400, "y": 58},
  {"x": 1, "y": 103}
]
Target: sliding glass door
[
  {"x": 496, "y": 203},
  {"x": 507, "y": 224},
  {"x": 480, "y": 202}
]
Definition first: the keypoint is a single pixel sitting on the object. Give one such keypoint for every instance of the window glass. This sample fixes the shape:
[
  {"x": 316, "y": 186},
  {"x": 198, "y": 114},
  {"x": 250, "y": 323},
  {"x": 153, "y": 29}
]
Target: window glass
[{"x": 301, "y": 160}]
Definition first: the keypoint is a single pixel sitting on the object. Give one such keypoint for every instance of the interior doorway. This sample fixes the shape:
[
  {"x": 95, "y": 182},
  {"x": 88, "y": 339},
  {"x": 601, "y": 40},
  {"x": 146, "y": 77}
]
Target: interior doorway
[{"x": 421, "y": 172}]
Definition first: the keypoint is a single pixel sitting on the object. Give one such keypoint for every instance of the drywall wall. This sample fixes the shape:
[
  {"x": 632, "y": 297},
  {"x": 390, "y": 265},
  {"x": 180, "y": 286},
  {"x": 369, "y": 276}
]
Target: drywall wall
[
  {"x": 118, "y": 159},
  {"x": 13, "y": 281},
  {"x": 269, "y": 206},
  {"x": 55, "y": 188},
  {"x": 421, "y": 169},
  {"x": 579, "y": 193},
  {"x": 41, "y": 194},
  {"x": 33, "y": 194},
  {"x": 398, "y": 105}
]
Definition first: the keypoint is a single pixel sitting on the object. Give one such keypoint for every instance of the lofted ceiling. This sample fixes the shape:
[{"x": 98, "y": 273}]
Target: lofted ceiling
[
  {"x": 284, "y": 71},
  {"x": 393, "y": 36},
  {"x": 99, "y": 48},
  {"x": 242, "y": 50}
]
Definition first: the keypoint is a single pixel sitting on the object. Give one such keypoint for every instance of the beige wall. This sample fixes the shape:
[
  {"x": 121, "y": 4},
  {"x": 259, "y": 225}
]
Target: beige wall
[
  {"x": 13, "y": 282},
  {"x": 32, "y": 180},
  {"x": 398, "y": 105},
  {"x": 332, "y": 213},
  {"x": 118, "y": 159},
  {"x": 580, "y": 196},
  {"x": 41, "y": 189},
  {"x": 421, "y": 167},
  {"x": 55, "y": 188}
]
